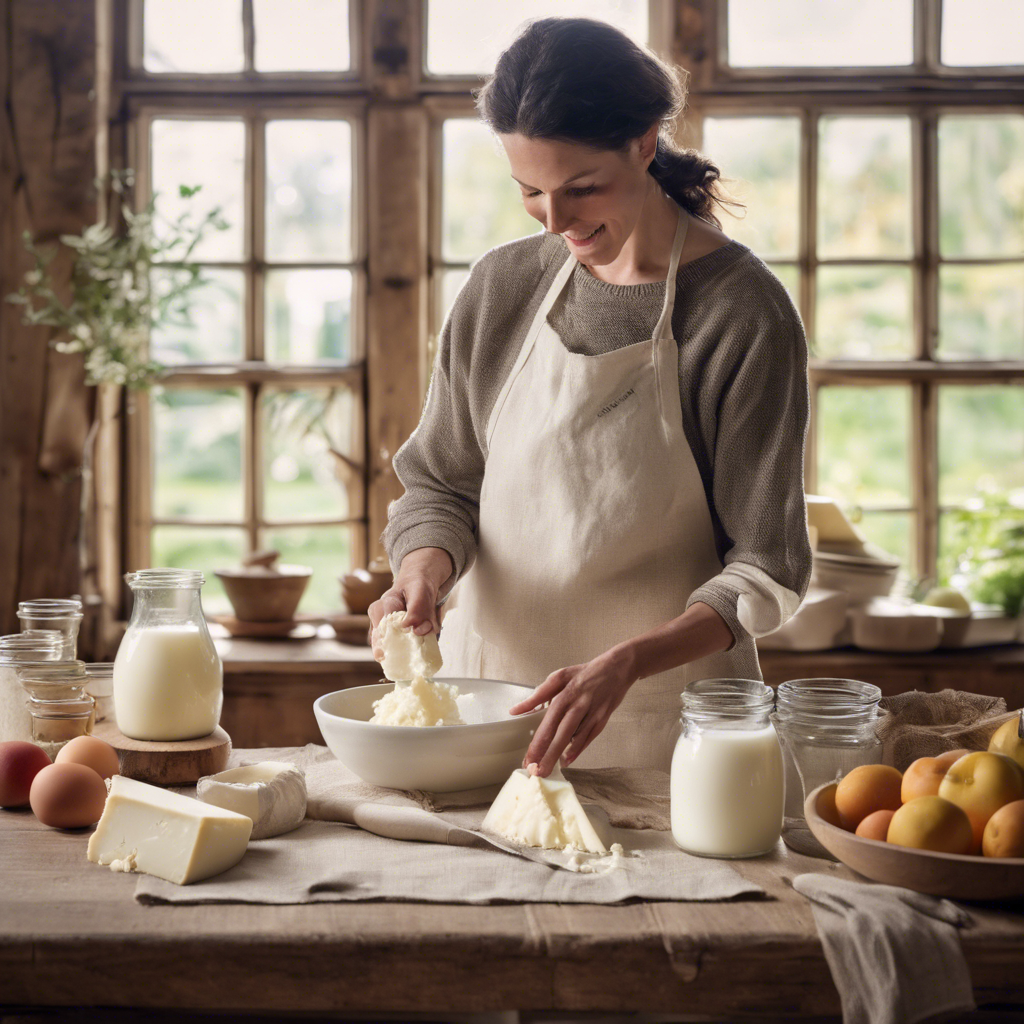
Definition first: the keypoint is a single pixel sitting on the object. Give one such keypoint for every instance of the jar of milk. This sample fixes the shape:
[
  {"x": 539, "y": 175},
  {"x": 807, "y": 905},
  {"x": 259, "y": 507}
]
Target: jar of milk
[
  {"x": 726, "y": 784},
  {"x": 168, "y": 678}
]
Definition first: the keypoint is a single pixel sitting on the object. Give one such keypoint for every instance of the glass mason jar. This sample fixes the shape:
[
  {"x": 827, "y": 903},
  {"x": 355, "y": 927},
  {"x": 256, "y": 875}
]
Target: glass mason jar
[
  {"x": 101, "y": 688},
  {"x": 168, "y": 678},
  {"x": 47, "y": 613},
  {"x": 726, "y": 783},
  {"x": 35, "y": 645},
  {"x": 60, "y": 708},
  {"x": 827, "y": 727}
]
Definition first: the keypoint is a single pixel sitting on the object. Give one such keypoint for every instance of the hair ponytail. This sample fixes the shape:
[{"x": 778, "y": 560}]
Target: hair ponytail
[{"x": 583, "y": 81}]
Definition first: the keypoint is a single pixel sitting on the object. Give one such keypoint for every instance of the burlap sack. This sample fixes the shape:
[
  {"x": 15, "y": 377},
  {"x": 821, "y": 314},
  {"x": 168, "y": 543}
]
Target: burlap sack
[{"x": 927, "y": 724}]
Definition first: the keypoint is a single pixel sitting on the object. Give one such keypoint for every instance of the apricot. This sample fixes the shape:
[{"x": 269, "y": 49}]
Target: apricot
[
  {"x": 922, "y": 777},
  {"x": 980, "y": 783},
  {"x": 867, "y": 788},
  {"x": 1004, "y": 833},
  {"x": 1005, "y": 740},
  {"x": 875, "y": 825},
  {"x": 952, "y": 756},
  {"x": 827, "y": 806},
  {"x": 932, "y": 823}
]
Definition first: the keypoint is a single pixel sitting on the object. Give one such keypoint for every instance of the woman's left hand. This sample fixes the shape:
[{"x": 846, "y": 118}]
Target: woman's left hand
[{"x": 582, "y": 698}]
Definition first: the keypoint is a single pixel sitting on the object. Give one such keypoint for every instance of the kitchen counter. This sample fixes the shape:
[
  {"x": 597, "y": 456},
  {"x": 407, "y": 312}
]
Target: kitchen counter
[{"x": 71, "y": 934}]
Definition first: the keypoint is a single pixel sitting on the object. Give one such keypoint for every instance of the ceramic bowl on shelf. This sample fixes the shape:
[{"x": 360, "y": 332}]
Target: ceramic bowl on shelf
[
  {"x": 953, "y": 875},
  {"x": 892, "y": 627},
  {"x": 438, "y": 759},
  {"x": 361, "y": 587},
  {"x": 264, "y": 590}
]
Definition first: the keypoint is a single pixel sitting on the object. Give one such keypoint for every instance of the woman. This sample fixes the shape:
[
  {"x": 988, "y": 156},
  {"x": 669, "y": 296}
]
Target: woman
[{"x": 609, "y": 468}]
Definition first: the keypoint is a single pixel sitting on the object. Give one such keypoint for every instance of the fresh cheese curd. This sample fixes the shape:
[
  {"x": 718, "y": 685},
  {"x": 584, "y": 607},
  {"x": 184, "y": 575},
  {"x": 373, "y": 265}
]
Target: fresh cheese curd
[{"x": 411, "y": 661}]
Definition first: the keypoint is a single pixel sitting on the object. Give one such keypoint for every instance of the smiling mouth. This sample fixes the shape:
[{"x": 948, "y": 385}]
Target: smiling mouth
[{"x": 586, "y": 238}]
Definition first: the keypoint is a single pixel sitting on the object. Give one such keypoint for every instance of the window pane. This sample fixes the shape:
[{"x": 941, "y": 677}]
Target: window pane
[
  {"x": 326, "y": 549},
  {"x": 864, "y": 187},
  {"x": 982, "y": 540},
  {"x": 864, "y": 445},
  {"x": 308, "y": 316},
  {"x": 202, "y": 548},
  {"x": 789, "y": 275},
  {"x": 981, "y": 312},
  {"x": 810, "y": 33},
  {"x": 893, "y": 532},
  {"x": 481, "y": 206},
  {"x": 195, "y": 36},
  {"x": 466, "y": 38},
  {"x": 197, "y": 453},
  {"x": 209, "y": 154},
  {"x": 863, "y": 313},
  {"x": 981, "y": 441},
  {"x": 981, "y": 194},
  {"x": 213, "y": 330},
  {"x": 980, "y": 33},
  {"x": 759, "y": 158},
  {"x": 301, "y": 35},
  {"x": 309, "y": 191},
  {"x": 307, "y": 437}
]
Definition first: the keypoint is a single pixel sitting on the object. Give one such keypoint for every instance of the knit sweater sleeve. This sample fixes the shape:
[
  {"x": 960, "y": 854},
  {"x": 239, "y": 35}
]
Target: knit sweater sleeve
[
  {"x": 757, "y": 488},
  {"x": 441, "y": 465}
]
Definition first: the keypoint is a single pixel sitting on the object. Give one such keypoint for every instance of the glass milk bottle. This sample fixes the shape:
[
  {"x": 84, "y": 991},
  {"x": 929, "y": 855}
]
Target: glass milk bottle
[
  {"x": 168, "y": 678},
  {"x": 726, "y": 782}
]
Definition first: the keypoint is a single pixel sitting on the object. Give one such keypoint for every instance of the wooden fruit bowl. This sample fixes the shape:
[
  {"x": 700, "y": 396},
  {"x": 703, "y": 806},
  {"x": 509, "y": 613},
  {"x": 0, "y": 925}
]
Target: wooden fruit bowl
[{"x": 954, "y": 875}]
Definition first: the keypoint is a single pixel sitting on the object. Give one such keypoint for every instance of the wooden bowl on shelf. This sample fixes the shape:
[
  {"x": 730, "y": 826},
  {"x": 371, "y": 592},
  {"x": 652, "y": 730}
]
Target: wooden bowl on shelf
[
  {"x": 953, "y": 875},
  {"x": 261, "y": 590},
  {"x": 361, "y": 587}
]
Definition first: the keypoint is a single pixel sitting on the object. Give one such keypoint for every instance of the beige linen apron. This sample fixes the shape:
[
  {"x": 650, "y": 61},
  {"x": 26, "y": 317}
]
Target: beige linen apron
[{"x": 594, "y": 526}]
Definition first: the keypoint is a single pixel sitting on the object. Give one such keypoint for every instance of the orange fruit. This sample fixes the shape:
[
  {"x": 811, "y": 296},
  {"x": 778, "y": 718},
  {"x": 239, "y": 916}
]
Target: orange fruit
[
  {"x": 867, "y": 788},
  {"x": 875, "y": 825},
  {"x": 981, "y": 783},
  {"x": 931, "y": 823},
  {"x": 923, "y": 776},
  {"x": 1004, "y": 833}
]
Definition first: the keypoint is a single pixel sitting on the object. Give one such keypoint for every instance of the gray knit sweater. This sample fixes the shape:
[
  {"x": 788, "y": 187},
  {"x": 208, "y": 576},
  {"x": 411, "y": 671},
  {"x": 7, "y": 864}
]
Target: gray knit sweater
[{"x": 743, "y": 390}]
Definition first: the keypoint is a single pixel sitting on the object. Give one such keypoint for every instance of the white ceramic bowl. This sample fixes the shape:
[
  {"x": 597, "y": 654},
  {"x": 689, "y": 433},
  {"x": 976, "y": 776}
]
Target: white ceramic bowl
[
  {"x": 893, "y": 631},
  {"x": 439, "y": 759}
]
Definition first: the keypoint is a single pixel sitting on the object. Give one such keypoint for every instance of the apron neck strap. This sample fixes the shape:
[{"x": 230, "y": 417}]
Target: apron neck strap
[{"x": 664, "y": 328}]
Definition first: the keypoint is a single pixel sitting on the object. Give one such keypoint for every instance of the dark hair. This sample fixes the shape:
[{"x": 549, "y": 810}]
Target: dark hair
[{"x": 583, "y": 81}]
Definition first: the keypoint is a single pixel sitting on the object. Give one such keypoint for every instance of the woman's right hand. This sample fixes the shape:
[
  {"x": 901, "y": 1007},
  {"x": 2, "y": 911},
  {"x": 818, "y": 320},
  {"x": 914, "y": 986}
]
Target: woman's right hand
[{"x": 420, "y": 577}]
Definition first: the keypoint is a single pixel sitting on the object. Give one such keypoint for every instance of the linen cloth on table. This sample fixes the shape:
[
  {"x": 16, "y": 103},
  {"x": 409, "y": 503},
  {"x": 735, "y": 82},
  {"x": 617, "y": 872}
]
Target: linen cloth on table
[
  {"x": 894, "y": 954},
  {"x": 349, "y": 850}
]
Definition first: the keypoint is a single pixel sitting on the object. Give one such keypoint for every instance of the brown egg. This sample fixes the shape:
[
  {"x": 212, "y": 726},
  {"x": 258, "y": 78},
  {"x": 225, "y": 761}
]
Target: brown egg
[
  {"x": 20, "y": 762},
  {"x": 875, "y": 825},
  {"x": 68, "y": 796},
  {"x": 867, "y": 788},
  {"x": 92, "y": 752}
]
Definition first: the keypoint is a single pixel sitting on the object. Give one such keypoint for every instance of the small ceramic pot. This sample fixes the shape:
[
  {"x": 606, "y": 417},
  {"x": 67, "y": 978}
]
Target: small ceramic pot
[{"x": 361, "y": 587}]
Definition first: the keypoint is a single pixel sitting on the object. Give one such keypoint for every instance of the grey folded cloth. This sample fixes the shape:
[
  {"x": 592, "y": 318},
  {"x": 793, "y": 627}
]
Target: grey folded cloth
[
  {"x": 444, "y": 856},
  {"x": 894, "y": 954}
]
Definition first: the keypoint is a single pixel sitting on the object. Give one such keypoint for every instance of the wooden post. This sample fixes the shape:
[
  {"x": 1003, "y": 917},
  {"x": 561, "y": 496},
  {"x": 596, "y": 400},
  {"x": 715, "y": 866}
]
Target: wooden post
[{"x": 47, "y": 165}]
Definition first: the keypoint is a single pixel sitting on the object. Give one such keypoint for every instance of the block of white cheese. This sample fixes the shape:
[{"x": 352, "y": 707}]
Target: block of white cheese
[
  {"x": 407, "y": 655},
  {"x": 145, "y": 828},
  {"x": 271, "y": 793},
  {"x": 542, "y": 812},
  {"x": 422, "y": 702}
]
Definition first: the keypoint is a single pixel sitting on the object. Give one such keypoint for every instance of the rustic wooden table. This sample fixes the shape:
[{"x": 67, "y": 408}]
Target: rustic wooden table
[{"x": 71, "y": 934}]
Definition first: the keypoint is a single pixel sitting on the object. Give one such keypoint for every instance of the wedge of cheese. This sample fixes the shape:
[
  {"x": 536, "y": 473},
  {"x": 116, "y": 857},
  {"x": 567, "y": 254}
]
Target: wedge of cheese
[
  {"x": 271, "y": 793},
  {"x": 542, "y": 812},
  {"x": 145, "y": 828}
]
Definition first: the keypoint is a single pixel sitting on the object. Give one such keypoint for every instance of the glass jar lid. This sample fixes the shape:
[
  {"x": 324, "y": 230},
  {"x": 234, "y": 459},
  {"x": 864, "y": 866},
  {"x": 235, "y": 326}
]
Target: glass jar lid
[
  {"x": 705, "y": 699},
  {"x": 165, "y": 579},
  {"x": 31, "y": 645}
]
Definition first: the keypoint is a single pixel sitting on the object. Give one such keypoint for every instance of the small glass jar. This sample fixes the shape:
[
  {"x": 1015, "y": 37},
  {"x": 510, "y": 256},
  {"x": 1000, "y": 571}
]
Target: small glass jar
[
  {"x": 61, "y": 614},
  {"x": 168, "y": 677},
  {"x": 827, "y": 727},
  {"x": 726, "y": 783},
  {"x": 60, "y": 708},
  {"x": 101, "y": 688},
  {"x": 36, "y": 645}
]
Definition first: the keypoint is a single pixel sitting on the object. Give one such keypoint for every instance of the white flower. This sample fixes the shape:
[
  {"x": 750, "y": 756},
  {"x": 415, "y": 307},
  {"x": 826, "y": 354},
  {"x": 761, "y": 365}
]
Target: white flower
[
  {"x": 33, "y": 277},
  {"x": 82, "y": 331}
]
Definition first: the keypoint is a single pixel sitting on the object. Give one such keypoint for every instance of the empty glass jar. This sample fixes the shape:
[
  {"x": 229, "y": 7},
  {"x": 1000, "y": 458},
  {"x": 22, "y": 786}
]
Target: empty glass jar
[
  {"x": 101, "y": 688},
  {"x": 827, "y": 727},
  {"x": 21, "y": 649},
  {"x": 60, "y": 708},
  {"x": 61, "y": 614}
]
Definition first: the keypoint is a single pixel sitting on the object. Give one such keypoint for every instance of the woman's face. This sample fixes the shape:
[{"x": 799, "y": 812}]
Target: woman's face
[{"x": 591, "y": 197}]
